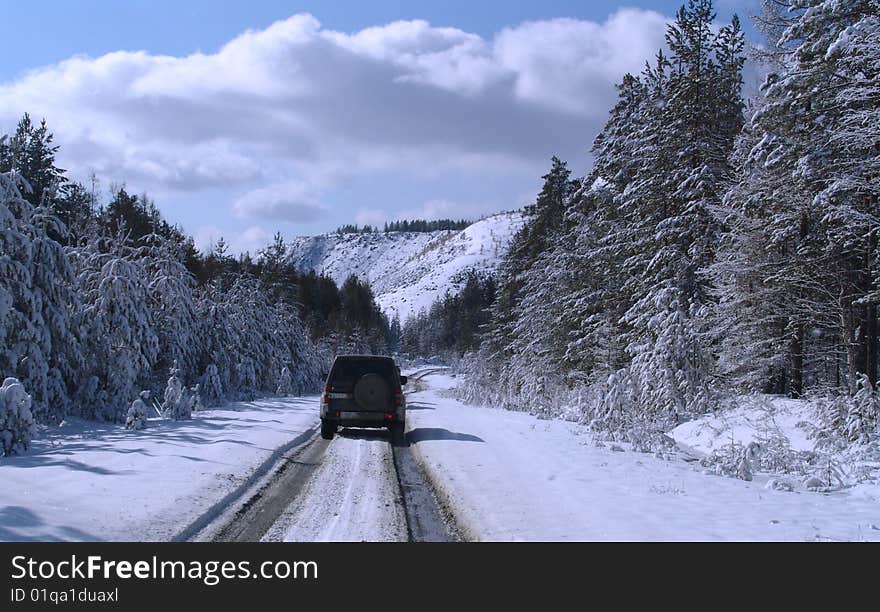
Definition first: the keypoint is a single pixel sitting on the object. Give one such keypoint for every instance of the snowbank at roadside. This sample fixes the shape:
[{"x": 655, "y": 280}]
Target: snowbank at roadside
[
  {"x": 91, "y": 481},
  {"x": 755, "y": 418},
  {"x": 773, "y": 433},
  {"x": 511, "y": 476}
]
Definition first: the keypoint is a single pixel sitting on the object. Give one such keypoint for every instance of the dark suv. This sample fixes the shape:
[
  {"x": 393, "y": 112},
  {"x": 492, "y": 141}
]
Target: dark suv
[{"x": 363, "y": 391}]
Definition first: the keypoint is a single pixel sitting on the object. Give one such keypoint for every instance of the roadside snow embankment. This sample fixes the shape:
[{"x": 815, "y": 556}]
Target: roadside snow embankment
[
  {"x": 781, "y": 438},
  {"x": 88, "y": 481},
  {"x": 755, "y": 419},
  {"x": 511, "y": 476}
]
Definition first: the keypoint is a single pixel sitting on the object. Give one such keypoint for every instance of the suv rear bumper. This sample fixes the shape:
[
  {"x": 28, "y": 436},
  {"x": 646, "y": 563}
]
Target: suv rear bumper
[{"x": 363, "y": 419}]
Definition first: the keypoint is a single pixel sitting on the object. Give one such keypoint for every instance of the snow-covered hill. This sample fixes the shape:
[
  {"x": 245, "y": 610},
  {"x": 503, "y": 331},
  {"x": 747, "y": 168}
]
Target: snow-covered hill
[{"x": 408, "y": 271}]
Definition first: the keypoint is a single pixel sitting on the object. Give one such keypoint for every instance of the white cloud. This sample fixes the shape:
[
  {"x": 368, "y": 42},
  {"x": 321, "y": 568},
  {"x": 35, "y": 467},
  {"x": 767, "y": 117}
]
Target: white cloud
[
  {"x": 293, "y": 201},
  {"x": 251, "y": 239},
  {"x": 206, "y": 236},
  {"x": 569, "y": 64},
  {"x": 447, "y": 209},
  {"x": 287, "y": 114},
  {"x": 370, "y": 216},
  {"x": 447, "y": 58}
]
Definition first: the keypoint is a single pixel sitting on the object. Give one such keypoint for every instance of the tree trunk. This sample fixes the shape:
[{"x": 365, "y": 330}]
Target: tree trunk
[
  {"x": 796, "y": 362},
  {"x": 870, "y": 335},
  {"x": 861, "y": 323},
  {"x": 870, "y": 310}
]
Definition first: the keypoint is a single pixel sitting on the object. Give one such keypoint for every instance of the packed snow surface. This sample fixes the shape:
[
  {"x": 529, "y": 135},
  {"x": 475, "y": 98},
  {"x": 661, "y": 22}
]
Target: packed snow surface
[
  {"x": 353, "y": 497},
  {"x": 88, "y": 481},
  {"x": 409, "y": 271},
  {"x": 511, "y": 476}
]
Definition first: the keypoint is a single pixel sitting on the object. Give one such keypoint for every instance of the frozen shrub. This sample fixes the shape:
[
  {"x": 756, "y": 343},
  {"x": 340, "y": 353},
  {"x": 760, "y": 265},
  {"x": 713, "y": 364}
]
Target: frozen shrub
[
  {"x": 197, "y": 403},
  {"x": 828, "y": 474},
  {"x": 16, "y": 420},
  {"x": 734, "y": 460},
  {"x": 187, "y": 404},
  {"x": 178, "y": 401},
  {"x": 211, "y": 389},
  {"x": 285, "y": 383},
  {"x": 173, "y": 394},
  {"x": 137, "y": 413},
  {"x": 247, "y": 379},
  {"x": 860, "y": 422}
]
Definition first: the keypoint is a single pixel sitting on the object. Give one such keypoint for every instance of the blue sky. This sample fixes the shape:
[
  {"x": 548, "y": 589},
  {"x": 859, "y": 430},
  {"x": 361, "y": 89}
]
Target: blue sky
[{"x": 339, "y": 112}]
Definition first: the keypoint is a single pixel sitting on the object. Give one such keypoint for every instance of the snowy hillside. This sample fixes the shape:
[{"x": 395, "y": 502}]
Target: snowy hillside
[{"x": 408, "y": 271}]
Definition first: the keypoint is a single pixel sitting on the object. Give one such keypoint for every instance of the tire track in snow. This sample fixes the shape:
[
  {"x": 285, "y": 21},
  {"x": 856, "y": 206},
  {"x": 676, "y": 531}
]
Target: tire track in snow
[
  {"x": 353, "y": 496},
  {"x": 291, "y": 450},
  {"x": 357, "y": 487},
  {"x": 345, "y": 507},
  {"x": 427, "y": 520},
  {"x": 262, "y": 510}
]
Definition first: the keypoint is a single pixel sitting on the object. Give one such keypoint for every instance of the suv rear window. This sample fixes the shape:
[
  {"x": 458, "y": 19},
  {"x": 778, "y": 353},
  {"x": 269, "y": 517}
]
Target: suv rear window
[{"x": 347, "y": 371}]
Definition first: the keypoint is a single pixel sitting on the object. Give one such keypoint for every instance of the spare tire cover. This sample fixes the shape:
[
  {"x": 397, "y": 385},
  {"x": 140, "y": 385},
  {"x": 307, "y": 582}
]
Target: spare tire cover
[{"x": 372, "y": 392}]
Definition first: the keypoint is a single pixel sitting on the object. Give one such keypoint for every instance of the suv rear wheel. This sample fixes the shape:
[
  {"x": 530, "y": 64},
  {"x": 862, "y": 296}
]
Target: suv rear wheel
[
  {"x": 328, "y": 429},
  {"x": 398, "y": 433}
]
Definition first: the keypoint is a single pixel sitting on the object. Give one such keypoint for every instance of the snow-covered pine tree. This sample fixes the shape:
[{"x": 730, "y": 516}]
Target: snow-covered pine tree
[
  {"x": 172, "y": 303},
  {"x": 119, "y": 339},
  {"x": 840, "y": 54},
  {"x": 211, "y": 388},
  {"x": 248, "y": 384},
  {"x": 15, "y": 274},
  {"x": 862, "y": 422},
  {"x": 37, "y": 298},
  {"x": 806, "y": 195},
  {"x": 700, "y": 118},
  {"x": 750, "y": 321},
  {"x": 606, "y": 229},
  {"x": 306, "y": 373},
  {"x": 767, "y": 246},
  {"x": 220, "y": 342},
  {"x": 590, "y": 307},
  {"x": 261, "y": 333},
  {"x": 196, "y": 398},
  {"x": 395, "y": 331},
  {"x": 30, "y": 153},
  {"x": 535, "y": 375},
  {"x": 509, "y": 343},
  {"x": 856, "y": 54},
  {"x": 16, "y": 420},
  {"x": 176, "y": 399}
]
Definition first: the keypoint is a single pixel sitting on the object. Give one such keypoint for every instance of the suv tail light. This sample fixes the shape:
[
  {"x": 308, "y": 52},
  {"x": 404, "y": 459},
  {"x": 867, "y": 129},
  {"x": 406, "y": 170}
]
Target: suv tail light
[{"x": 398, "y": 396}]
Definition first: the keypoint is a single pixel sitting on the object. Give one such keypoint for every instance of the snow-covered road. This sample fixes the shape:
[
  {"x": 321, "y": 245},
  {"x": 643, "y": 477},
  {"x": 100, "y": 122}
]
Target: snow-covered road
[
  {"x": 353, "y": 496},
  {"x": 258, "y": 470},
  {"x": 510, "y": 476}
]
